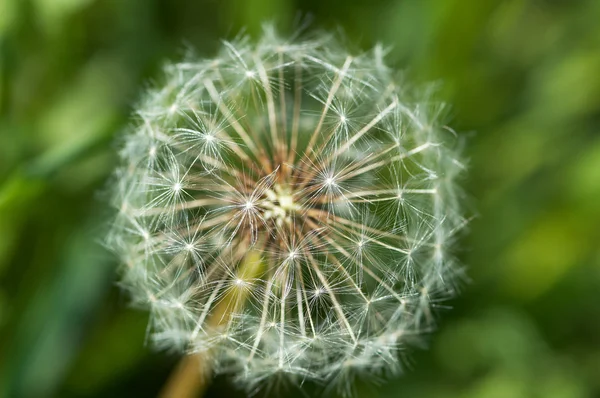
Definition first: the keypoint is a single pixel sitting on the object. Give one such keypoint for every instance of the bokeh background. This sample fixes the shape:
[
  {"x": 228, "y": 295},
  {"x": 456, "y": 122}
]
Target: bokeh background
[{"x": 523, "y": 78}]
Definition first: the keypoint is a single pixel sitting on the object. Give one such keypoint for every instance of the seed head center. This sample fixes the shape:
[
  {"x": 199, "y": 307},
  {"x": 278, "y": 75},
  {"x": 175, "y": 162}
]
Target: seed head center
[{"x": 280, "y": 204}]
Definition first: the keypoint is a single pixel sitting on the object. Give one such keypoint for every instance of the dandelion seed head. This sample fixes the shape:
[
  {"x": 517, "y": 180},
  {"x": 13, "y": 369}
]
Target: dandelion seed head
[{"x": 291, "y": 208}]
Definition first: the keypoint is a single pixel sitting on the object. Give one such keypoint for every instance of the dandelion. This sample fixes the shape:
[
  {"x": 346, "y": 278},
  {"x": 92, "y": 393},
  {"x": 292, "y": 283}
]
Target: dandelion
[{"x": 288, "y": 209}]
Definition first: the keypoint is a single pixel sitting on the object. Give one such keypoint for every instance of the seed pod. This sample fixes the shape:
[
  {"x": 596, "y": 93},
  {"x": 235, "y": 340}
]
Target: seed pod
[{"x": 288, "y": 208}]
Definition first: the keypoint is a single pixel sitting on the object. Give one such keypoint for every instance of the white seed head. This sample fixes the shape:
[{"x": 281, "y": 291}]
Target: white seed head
[{"x": 288, "y": 208}]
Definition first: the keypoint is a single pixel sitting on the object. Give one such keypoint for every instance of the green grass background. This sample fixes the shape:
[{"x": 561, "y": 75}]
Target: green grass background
[{"x": 524, "y": 79}]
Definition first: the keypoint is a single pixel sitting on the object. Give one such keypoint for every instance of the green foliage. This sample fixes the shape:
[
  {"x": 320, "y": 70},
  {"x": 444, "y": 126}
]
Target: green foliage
[{"x": 523, "y": 78}]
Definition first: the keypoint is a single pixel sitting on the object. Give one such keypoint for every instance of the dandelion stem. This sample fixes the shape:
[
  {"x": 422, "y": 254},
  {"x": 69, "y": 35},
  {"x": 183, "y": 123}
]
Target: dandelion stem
[
  {"x": 192, "y": 375},
  {"x": 188, "y": 380}
]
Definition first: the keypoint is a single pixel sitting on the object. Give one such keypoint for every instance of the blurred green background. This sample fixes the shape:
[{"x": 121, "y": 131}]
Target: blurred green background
[{"x": 524, "y": 79}]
